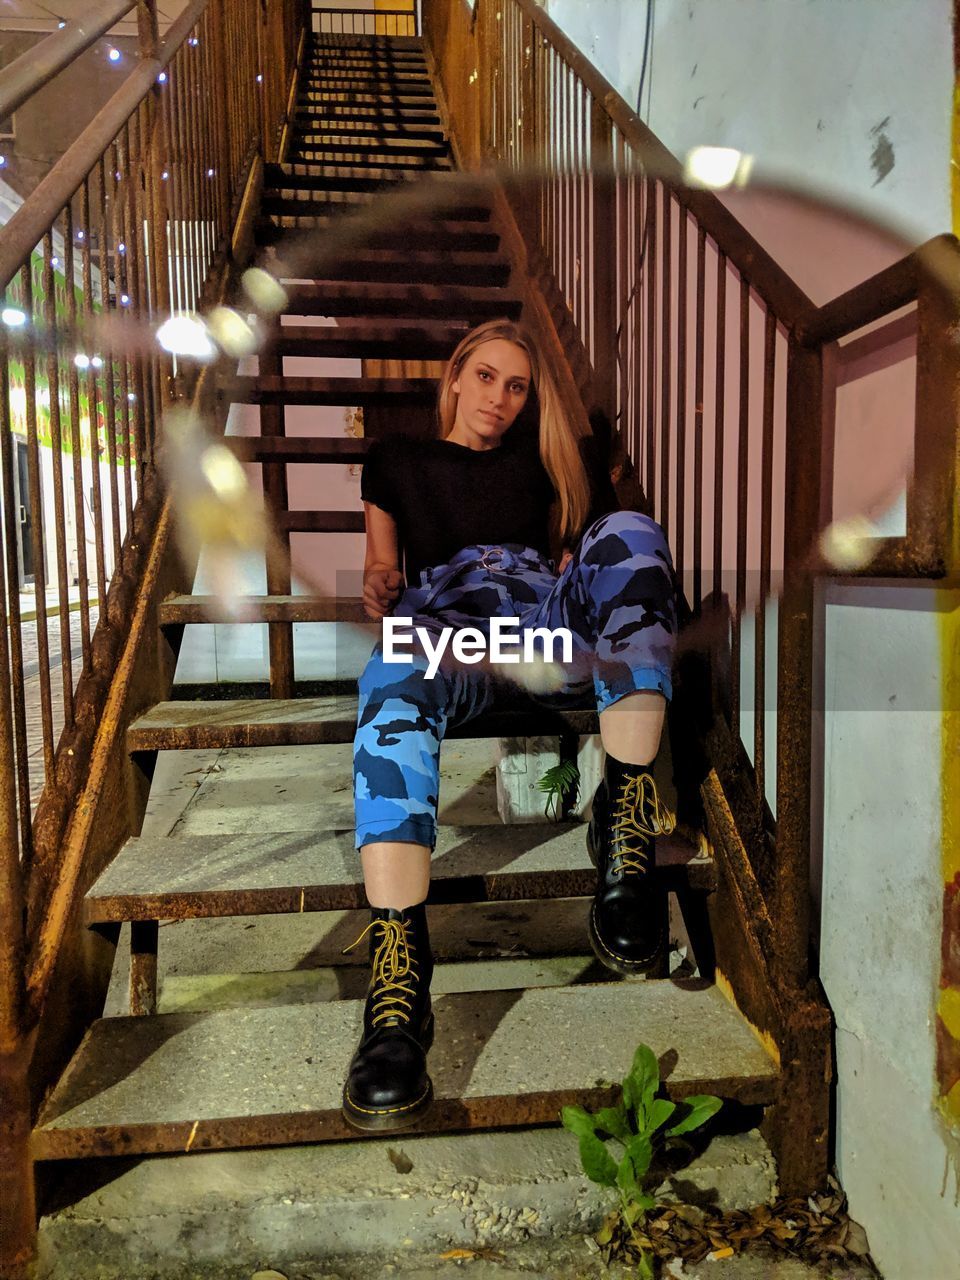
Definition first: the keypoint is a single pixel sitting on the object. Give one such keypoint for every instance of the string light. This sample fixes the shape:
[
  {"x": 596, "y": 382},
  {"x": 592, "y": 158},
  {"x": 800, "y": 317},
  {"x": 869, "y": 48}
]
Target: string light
[
  {"x": 211, "y": 172},
  {"x": 165, "y": 175},
  {"x": 124, "y": 299},
  {"x": 113, "y": 54},
  {"x": 13, "y": 317},
  {"x": 121, "y": 248},
  {"x": 81, "y": 361},
  {"x": 80, "y": 235},
  {"x": 162, "y": 78},
  {"x": 3, "y": 161},
  {"x": 193, "y": 41}
]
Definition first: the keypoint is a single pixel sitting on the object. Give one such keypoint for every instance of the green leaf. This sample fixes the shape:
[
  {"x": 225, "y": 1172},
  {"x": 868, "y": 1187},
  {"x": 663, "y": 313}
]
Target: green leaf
[
  {"x": 598, "y": 1164},
  {"x": 626, "y": 1180},
  {"x": 700, "y": 1107},
  {"x": 613, "y": 1120},
  {"x": 660, "y": 1113},
  {"x": 578, "y": 1121},
  {"x": 640, "y": 1153},
  {"x": 645, "y": 1267},
  {"x": 642, "y": 1082},
  {"x": 634, "y": 1211}
]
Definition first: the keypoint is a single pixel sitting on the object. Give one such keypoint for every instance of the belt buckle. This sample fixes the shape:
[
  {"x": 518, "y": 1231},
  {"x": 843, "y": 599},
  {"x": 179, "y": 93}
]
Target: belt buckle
[{"x": 490, "y": 551}]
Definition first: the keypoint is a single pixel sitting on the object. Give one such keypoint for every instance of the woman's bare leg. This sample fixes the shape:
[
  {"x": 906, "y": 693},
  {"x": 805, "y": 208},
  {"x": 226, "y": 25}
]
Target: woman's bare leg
[
  {"x": 630, "y": 729},
  {"x": 395, "y": 873}
]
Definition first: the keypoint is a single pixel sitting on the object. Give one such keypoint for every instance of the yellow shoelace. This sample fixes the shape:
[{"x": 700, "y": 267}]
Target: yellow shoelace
[
  {"x": 393, "y": 960},
  {"x": 639, "y": 813}
]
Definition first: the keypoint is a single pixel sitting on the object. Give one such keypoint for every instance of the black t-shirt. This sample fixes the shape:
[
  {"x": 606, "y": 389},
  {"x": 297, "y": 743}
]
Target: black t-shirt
[{"x": 445, "y": 496}]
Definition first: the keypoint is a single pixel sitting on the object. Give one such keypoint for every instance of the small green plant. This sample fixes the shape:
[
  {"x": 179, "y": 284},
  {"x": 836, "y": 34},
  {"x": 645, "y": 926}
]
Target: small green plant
[
  {"x": 643, "y": 1126},
  {"x": 557, "y": 782}
]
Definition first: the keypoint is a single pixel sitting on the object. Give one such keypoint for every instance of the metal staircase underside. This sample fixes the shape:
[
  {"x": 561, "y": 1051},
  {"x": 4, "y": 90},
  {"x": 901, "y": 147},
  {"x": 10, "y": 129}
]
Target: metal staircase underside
[{"x": 367, "y": 121}]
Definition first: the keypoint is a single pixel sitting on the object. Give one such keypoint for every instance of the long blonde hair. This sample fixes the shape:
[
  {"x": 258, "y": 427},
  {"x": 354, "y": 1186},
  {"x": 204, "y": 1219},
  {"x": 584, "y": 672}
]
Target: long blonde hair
[{"x": 559, "y": 447}]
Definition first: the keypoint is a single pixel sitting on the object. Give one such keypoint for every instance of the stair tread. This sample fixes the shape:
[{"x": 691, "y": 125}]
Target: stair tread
[
  {"x": 293, "y": 390},
  {"x": 198, "y": 609},
  {"x": 396, "y": 340},
  {"x": 243, "y": 1077},
  {"x": 164, "y": 877},
  {"x": 268, "y": 722}
]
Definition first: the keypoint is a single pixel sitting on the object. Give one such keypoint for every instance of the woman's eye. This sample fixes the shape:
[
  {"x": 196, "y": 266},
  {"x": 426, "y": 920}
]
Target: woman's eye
[{"x": 484, "y": 374}]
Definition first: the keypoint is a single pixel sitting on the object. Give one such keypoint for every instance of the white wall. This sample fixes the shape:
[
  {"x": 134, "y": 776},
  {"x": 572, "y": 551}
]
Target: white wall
[
  {"x": 826, "y": 93},
  {"x": 850, "y": 98}
]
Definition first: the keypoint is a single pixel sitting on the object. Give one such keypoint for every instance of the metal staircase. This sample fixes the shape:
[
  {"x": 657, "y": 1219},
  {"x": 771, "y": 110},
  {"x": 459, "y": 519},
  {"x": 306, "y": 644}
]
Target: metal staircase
[{"x": 155, "y": 1082}]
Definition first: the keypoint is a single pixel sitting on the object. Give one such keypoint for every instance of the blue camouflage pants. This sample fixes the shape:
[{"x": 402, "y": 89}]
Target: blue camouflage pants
[{"x": 616, "y": 596}]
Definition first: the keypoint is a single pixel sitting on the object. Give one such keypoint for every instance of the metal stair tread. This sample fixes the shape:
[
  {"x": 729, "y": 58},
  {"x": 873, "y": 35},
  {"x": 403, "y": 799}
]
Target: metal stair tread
[
  {"x": 270, "y": 722},
  {"x": 290, "y": 389},
  {"x": 163, "y": 877},
  {"x": 245, "y": 1077},
  {"x": 360, "y": 298}
]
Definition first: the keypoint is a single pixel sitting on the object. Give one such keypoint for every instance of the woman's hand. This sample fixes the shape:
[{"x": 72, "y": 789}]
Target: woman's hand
[
  {"x": 381, "y": 589},
  {"x": 564, "y": 560}
]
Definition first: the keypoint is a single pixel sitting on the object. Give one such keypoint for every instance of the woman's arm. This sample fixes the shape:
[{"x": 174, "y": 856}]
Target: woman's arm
[{"x": 381, "y": 563}]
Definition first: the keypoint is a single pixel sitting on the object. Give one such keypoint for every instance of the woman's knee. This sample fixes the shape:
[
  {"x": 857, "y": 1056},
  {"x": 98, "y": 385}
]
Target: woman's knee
[{"x": 627, "y": 529}]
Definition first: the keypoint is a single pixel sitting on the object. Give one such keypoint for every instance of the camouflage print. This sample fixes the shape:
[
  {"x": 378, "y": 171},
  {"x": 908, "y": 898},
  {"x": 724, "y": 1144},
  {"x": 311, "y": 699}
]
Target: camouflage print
[{"x": 617, "y": 598}]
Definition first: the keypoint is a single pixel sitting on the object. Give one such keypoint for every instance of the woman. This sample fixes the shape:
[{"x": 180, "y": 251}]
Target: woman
[{"x": 471, "y": 511}]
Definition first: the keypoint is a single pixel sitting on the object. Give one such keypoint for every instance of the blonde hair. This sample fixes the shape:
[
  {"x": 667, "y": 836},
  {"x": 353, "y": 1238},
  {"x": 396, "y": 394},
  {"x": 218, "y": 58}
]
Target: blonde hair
[{"x": 559, "y": 446}]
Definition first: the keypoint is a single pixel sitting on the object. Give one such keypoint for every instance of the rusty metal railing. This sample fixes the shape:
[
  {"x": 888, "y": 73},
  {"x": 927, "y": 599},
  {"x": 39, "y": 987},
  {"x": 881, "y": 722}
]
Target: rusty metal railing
[
  {"x": 709, "y": 359},
  {"x": 135, "y": 223},
  {"x": 400, "y": 20}
]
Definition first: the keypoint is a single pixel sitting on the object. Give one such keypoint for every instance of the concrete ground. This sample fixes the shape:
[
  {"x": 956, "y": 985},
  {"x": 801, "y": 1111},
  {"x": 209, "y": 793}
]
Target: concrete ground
[{"x": 514, "y": 1201}]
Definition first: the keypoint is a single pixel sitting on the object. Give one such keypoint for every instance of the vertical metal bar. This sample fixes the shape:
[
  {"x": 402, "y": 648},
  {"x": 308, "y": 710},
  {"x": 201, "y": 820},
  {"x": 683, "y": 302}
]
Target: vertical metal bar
[
  {"x": 76, "y": 441},
  {"x": 720, "y": 412},
  {"x": 681, "y": 517},
  {"x": 743, "y": 459},
  {"x": 35, "y": 487},
  {"x": 93, "y": 401},
  {"x": 766, "y": 534},
  {"x": 795, "y": 652},
  {"x": 666, "y": 356},
  {"x": 698, "y": 423},
  {"x": 108, "y": 225},
  {"x": 650, "y": 283},
  {"x": 12, "y": 621},
  {"x": 138, "y": 297},
  {"x": 604, "y": 282},
  {"x": 124, "y": 287},
  {"x": 56, "y": 469}
]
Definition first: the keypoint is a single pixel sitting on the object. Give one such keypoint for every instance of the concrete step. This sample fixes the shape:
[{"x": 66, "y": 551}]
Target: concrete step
[
  {"x": 266, "y": 872},
  {"x": 278, "y": 722},
  {"x": 178, "y": 611},
  {"x": 342, "y": 1206},
  {"x": 250, "y": 1077}
]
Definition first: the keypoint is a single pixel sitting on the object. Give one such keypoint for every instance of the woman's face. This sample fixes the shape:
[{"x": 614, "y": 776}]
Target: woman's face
[{"x": 492, "y": 388}]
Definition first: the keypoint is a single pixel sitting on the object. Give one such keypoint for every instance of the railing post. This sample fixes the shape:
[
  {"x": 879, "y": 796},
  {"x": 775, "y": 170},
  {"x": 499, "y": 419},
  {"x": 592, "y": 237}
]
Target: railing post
[
  {"x": 932, "y": 497},
  {"x": 148, "y": 28},
  {"x": 603, "y": 259},
  {"x": 18, "y": 1220},
  {"x": 486, "y": 24},
  {"x": 790, "y": 907}
]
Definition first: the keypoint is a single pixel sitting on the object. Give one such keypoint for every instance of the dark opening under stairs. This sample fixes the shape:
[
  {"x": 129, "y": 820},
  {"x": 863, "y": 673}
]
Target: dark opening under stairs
[{"x": 367, "y": 121}]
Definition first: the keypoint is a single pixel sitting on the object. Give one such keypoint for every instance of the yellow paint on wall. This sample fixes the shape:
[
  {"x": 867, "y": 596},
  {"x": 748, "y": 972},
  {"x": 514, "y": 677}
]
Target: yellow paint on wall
[{"x": 949, "y": 1010}]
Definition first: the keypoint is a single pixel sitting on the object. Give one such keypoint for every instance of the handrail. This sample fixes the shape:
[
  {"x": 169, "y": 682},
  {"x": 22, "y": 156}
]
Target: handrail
[
  {"x": 28, "y": 225},
  {"x": 767, "y": 277},
  {"x": 38, "y": 66}
]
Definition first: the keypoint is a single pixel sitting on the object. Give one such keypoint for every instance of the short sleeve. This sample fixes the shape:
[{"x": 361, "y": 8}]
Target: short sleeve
[{"x": 376, "y": 478}]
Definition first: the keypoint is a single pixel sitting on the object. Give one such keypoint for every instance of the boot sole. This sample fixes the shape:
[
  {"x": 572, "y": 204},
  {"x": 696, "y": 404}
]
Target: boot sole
[{"x": 391, "y": 1119}]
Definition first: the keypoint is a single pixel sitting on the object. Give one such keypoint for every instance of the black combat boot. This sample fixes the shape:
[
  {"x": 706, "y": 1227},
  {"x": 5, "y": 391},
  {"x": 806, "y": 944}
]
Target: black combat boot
[
  {"x": 628, "y": 920},
  {"x": 387, "y": 1085}
]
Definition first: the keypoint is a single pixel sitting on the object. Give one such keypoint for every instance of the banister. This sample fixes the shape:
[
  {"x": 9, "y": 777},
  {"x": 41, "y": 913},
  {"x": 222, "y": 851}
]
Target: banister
[
  {"x": 29, "y": 224},
  {"x": 881, "y": 294},
  {"x": 767, "y": 278},
  {"x": 39, "y": 65}
]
